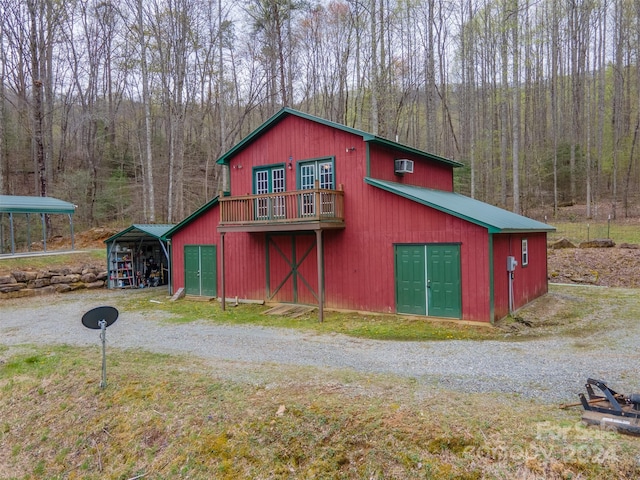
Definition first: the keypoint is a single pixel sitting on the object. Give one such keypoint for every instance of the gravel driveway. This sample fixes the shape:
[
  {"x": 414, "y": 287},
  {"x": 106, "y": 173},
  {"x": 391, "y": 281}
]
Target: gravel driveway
[{"x": 550, "y": 370}]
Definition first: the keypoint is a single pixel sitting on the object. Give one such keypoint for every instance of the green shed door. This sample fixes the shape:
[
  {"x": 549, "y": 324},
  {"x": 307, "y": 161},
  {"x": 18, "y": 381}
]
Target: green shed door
[
  {"x": 200, "y": 270},
  {"x": 443, "y": 281},
  {"x": 411, "y": 294},
  {"x": 428, "y": 280}
]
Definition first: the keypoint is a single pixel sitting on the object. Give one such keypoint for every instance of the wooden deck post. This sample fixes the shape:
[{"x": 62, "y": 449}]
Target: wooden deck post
[
  {"x": 222, "y": 270},
  {"x": 320, "y": 276}
]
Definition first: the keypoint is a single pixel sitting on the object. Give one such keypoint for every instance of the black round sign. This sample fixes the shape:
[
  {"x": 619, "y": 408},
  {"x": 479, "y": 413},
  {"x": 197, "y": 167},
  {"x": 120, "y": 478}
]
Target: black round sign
[{"x": 93, "y": 317}]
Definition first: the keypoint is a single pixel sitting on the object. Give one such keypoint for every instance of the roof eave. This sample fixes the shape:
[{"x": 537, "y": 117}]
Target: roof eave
[
  {"x": 119, "y": 234},
  {"x": 490, "y": 227},
  {"x": 273, "y": 120},
  {"x": 366, "y": 137},
  {"x": 525, "y": 230},
  {"x": 137, "y": 226},
  {"x": 413, "y": 151},
  {"x": 32, "y": 204}
]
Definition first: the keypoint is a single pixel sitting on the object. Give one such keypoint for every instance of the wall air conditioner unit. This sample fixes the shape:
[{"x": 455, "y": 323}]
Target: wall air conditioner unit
[{"x": 404, "y": 166}]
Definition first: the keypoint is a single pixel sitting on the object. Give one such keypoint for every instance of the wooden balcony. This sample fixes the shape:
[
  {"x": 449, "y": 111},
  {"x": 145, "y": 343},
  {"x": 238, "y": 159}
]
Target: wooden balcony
[{"x": 314, "y": 209}]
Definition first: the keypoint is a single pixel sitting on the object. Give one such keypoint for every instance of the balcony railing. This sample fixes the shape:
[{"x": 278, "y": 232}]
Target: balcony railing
[{"x": 300, "y": 206}]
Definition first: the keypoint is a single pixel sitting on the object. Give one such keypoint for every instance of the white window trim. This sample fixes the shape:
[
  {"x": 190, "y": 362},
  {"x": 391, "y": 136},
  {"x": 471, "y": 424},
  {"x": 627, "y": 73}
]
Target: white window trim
[{"x": 525, "y": 252}]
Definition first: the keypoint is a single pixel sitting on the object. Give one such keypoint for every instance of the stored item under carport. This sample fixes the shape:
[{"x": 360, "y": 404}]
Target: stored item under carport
[{"x": 610, "y": 409}]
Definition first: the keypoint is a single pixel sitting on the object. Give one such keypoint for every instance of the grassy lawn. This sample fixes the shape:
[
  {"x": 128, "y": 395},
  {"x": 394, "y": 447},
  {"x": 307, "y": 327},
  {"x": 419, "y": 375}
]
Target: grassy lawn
[
  {"x": 373, "y": 326},
  {"x": 172, "y": 417},
  {"x": 94, "y": 257},
  {"x": 566, "y": 310},
  {"x": 165, "y": 417}
]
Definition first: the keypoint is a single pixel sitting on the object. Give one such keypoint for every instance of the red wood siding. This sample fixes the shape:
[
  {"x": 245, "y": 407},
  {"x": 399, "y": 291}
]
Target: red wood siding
[
  {"x": 280, "y": 249},
  {"x": 293, "y": 268},
  {"x": 358, "y": 260},
  {"x": 301, "y": 140},
  {"x": 244, "y": 256},
  {"x": 307, "y": 269},
  {"x": 202, "y": 231},
  {"x": 426, "y": 173},
  {"x": 529, "y": 281}
]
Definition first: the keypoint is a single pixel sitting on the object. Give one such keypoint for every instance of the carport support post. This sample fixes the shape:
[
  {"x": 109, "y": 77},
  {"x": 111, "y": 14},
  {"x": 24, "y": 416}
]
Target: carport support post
[
  {"x": 320, "y": 276},
  {"x": 44, "y": 232},
  {"x": 13, "y": 238},
  {"x": 222, "y": 270},
  {"x": 73, "y": 246},
  {"x": 28, "y": 232}
]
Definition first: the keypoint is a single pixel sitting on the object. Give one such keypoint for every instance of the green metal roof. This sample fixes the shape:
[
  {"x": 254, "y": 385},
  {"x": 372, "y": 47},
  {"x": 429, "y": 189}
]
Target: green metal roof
[
  {"x": 169, "y": 233},
  {"x": 24, "y": 204},
  {"x": 136, "y": 230},
  {"x": 495, "y": 219},
  {"x": 367, "y": 137}
]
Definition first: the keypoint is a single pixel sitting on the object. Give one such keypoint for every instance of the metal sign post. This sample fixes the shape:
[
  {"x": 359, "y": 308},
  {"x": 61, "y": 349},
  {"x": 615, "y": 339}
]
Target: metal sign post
[
  {"x": 103, "y": 337},
  {"x": 100, "y": 318}
]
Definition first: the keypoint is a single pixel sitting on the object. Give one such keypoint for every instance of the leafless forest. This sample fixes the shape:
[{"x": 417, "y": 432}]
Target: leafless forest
[{"x": 123, "y": 106}]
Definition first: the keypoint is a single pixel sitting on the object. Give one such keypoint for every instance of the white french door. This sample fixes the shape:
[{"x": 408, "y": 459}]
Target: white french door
[
  {"x": 269, "y": 180},
  {"x": 310, "y": 172}
]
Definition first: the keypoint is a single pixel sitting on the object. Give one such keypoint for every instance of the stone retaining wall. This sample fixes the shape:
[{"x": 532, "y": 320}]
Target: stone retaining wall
[{"x": 28, "y": 283}]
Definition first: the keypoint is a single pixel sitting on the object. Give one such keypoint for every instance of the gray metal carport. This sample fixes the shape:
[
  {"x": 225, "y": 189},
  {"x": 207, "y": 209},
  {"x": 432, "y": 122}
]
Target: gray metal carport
[
  {"x": 18, "y": 204},
  {"x": 143, "y": 240}
]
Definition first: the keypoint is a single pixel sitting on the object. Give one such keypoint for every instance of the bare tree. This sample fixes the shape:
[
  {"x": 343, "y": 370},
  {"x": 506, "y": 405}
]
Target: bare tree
[
  {"x": 468, "y": 71},
  {"x": 3, "y": 65},
  {"x": 555, "y": 124},
  {"x": 634, "y": 143},
  {"x": 601, "y": 79},
  {"x": 515, "y": 149},
  {"x": 38, "y": 80},
  {"x": 271, "y": 18},
  {"x": 147, "y": 152},
  {"x": 618, "y": 101},
  {"x": 504, "y": 101},
  {"x": 374, "y": 80},
  {"x": 171, "y": 30}
]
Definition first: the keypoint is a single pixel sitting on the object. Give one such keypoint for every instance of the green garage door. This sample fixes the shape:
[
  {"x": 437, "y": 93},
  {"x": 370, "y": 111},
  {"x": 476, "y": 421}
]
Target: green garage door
[
  {"x": 411, "y": 296},
  {"x": 200, "y": 270},
  {"x": 428, "y": 280}
]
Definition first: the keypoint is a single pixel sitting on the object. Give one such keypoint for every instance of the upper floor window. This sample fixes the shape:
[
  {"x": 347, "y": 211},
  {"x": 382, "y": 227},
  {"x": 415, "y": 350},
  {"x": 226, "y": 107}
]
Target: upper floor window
[
  {"x": 320, "y": 170},
  {"x": 525, "y": 252},
  {"x": 269, "y": 180}
]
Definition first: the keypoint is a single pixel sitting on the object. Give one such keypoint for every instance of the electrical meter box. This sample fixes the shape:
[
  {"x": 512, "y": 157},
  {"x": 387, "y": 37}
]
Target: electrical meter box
[{"x": 512, "y": 263}]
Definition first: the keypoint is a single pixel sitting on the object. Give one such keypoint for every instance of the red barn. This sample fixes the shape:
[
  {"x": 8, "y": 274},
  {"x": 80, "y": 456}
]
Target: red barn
[{"x": 323, "y": 214}]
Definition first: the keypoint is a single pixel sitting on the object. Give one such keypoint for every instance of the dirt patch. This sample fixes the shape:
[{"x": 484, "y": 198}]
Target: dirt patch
[
  {"x": 89, "y": 251},
  {"x": 611, "y": 267},
  {"x": 88, "y": 239}
]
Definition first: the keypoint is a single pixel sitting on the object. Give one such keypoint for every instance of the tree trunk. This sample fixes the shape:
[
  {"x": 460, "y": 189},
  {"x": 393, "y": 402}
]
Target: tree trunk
[
  {"x": 471, "y": 99},
  {"x": 221, "y": 102},
  {"x": 3, "y": 63},
  {"x": 430, "y": 82},
  {"x": 48, "y": 100},
  {"x": 515, "y": 153},
  {"x": 504, "y": 106},
  {"x": 373, "y": 81},
  {"x": 149, "y": 200},
  {"x": 602, "y": 80},
  {"x": 618, "y": 92},
  {"x": 555, "y": 46},
  {"x": 37, "y": 109}
]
